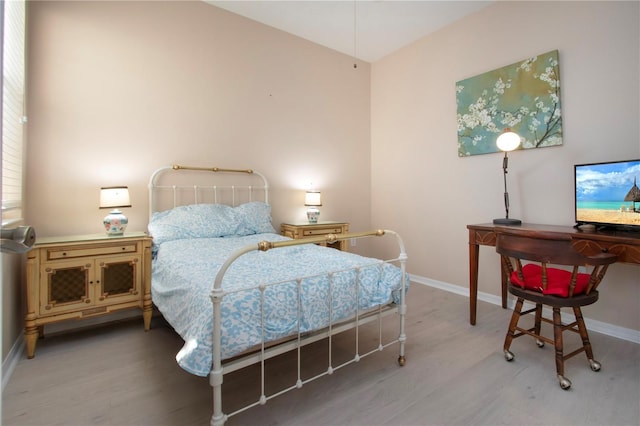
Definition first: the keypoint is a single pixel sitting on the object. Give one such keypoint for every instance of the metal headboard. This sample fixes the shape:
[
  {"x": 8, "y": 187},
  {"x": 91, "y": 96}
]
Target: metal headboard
[{"x": 176, "y": 185}]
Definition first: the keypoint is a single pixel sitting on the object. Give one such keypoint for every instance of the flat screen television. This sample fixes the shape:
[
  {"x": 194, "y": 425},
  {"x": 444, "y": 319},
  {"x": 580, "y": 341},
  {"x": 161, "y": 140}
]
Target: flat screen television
[{"x": 607, "y": 194}]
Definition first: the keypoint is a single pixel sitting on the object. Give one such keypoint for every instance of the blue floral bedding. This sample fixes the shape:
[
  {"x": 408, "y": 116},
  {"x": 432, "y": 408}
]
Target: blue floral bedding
[{"x": 184, "y": 271}]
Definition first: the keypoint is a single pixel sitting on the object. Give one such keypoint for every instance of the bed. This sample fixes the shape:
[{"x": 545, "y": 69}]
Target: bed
[{"x": 239, "y": 294}]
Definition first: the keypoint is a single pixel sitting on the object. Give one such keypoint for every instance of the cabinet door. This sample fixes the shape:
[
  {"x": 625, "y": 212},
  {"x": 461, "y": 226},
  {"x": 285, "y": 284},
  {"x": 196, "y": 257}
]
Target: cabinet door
[
  {"x": 118, "y": 279},
  {"x": 65, "y": 286}
]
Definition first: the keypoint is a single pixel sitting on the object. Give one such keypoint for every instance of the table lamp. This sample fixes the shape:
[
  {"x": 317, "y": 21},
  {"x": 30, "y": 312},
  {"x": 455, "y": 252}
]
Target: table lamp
[
  {"x": 313, "y": 200},
  {"x": 115, "y": 197}
]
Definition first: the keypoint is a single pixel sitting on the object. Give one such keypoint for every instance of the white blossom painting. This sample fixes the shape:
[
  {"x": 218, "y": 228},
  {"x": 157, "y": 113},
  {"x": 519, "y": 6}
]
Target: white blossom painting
[{"x": 524, "y": 97}]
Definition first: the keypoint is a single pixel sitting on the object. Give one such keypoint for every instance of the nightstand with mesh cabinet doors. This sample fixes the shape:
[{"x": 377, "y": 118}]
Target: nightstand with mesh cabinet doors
[
  {"x": 84, "y": 276},
  {"x": 306, "y": 230}
]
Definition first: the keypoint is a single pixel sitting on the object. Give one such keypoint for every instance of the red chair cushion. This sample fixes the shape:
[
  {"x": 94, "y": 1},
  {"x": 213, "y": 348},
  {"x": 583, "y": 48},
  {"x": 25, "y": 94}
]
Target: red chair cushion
[{"x": 558, "y": 280}]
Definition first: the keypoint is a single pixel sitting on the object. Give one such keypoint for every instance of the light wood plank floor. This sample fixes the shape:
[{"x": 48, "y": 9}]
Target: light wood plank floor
[{"x": 455, "y": 375}]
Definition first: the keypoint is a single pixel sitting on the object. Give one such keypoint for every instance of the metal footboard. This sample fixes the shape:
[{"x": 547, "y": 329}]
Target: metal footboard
[{"x": 265, "y": 352}]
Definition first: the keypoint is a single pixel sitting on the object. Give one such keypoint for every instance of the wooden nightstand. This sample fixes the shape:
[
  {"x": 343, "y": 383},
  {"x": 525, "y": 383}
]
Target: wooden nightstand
[
  {"x": 84, "y": 276},
  {"x": 305, "y": 229}
]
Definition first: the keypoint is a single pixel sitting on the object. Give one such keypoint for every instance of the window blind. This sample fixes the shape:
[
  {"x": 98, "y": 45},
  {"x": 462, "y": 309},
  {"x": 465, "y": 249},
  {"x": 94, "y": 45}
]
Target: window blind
[{"x": 13, "y": 118}]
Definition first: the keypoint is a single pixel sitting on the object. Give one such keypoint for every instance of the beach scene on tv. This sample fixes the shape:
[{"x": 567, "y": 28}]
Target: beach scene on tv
[{"x": 608, "y": 193}]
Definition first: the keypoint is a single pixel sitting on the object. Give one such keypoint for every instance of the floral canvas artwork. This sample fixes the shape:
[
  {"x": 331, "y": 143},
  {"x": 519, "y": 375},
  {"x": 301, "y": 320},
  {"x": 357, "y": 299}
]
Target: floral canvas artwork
[{"x": 524, "y": 97}]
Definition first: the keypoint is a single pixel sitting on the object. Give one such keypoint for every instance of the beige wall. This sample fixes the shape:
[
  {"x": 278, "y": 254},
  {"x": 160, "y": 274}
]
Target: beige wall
[
  {"x": 427, "y": 192},
  {"x": 117, "y": 89},
  {"x": 13, "y": 309}
]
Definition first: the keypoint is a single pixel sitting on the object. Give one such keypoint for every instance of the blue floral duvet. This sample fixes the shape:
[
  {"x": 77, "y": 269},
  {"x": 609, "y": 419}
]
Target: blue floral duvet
[{"x": 184, "y": 271}]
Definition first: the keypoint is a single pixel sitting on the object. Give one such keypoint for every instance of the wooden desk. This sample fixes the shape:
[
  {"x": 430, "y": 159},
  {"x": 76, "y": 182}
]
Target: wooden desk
[{"x": 625, "y": 244}]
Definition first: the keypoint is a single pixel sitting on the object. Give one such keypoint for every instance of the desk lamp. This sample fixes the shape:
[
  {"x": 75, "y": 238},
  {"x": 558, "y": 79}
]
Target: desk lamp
[{"x": 507, "y": 141}]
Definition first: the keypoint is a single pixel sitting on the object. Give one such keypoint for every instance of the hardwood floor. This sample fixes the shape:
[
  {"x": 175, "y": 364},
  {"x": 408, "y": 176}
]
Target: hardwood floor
[{"x": 455, "y": 375}]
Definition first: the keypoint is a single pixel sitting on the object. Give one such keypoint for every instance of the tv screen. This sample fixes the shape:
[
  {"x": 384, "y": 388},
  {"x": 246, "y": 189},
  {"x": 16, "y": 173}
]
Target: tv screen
[{"x": 607, "y": 194}]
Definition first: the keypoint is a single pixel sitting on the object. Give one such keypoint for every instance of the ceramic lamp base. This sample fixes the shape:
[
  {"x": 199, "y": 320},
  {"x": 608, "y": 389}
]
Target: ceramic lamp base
[
  {"x": 313, "y": 214},
  {"x": 115, "y": 222}
]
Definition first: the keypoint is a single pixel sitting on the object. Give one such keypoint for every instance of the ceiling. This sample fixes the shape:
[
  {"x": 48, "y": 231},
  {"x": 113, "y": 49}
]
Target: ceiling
[{"x": 366, "y": 29}]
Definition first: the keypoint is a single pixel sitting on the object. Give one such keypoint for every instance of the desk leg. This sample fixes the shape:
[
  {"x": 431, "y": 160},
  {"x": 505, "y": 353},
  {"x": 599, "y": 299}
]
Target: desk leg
[{"x": 473, "y": 277}]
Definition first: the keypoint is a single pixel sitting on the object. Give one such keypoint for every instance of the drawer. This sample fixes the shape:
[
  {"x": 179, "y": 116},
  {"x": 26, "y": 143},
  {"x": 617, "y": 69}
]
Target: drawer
[
  {"x": 73, "y": 252},
  {"x": 323, "y": 231}
]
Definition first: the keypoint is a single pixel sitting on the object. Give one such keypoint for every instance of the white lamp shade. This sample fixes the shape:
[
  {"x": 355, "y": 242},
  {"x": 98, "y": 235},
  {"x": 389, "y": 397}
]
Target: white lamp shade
[
  {"x": 114, "y": 197},
  {"x": 508, "y": 140},
  {"x": 312, "y": 198}
]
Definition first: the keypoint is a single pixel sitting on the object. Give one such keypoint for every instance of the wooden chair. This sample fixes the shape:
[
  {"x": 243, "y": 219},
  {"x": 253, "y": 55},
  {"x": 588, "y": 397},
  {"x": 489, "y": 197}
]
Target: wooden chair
[{"x": 564, "y": 287}]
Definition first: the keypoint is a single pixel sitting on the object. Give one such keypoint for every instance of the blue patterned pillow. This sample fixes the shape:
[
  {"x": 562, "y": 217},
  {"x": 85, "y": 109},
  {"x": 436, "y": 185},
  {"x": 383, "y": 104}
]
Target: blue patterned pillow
[
  {"x": 256, "y": 218},
  {"x": 195, "y": 221}
]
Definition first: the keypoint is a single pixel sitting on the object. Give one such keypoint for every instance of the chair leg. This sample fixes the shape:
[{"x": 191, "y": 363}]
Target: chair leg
[
  {"x": 557, "y": 338},
  {"x": 537, "y": 324},
  {"x": 508, "y": 355},
  {"x": 582, "y": 329}
]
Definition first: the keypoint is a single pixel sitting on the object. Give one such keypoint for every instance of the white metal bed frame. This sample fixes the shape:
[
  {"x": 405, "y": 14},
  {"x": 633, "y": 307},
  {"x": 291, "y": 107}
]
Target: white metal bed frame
[
  {"x": 265, "y": 352},
  {"x": 199, "y": 190}
]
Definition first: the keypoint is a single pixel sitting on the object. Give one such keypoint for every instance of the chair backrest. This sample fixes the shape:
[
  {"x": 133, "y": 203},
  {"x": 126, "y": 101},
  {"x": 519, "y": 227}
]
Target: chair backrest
[{"x": 517, "y": 245}]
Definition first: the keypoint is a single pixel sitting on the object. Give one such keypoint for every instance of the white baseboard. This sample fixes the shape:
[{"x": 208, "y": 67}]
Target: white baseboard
[{"x": 593, "y": 325}]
